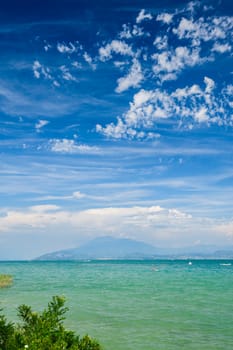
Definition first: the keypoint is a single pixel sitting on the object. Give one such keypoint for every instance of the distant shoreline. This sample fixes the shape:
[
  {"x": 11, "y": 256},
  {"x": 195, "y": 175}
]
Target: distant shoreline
[{"x": 83, "y": 260}]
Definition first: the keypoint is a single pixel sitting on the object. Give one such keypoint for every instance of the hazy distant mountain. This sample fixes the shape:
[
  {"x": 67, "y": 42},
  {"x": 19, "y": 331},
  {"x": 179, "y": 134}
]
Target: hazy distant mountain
[
  {"x": 122, "y": 248},
  {"x": 104, "y": 248}
]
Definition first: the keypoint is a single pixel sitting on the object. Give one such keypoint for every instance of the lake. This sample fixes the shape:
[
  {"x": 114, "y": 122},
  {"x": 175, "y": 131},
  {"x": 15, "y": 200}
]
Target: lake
[{"x": 133, "y": 305}]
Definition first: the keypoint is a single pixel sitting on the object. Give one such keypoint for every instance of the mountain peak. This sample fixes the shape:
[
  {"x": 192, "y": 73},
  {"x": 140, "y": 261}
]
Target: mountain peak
[{"x": 105, "y": 247}]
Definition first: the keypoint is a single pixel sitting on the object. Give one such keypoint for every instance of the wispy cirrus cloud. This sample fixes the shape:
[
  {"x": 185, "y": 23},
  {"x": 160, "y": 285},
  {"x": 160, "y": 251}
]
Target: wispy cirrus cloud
[
  {"x": 26, "y": 99},
  {"x": 40, "y": 124}
]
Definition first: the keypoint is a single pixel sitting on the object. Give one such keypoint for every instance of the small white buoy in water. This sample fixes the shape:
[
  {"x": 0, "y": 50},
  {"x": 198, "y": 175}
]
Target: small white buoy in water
[{"x": 190, "y": 263}]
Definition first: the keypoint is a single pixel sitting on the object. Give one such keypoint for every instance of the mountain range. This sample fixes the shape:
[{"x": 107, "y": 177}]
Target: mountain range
[{"x": 122, "y": 248}]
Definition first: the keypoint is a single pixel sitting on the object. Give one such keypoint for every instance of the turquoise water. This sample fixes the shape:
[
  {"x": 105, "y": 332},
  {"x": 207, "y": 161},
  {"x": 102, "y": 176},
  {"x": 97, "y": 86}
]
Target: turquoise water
[{"x": 133, "y": 305}]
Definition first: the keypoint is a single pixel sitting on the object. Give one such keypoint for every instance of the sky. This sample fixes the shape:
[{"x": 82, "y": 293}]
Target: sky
[{"x": 115, "y": 120}]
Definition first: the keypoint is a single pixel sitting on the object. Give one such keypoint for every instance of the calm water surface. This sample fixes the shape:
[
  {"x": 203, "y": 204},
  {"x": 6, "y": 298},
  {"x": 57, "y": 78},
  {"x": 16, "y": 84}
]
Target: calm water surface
[{"x": 136, "y": 305}]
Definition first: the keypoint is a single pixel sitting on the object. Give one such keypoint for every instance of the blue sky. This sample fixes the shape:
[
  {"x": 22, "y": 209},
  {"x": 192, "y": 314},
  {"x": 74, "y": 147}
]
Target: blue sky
[{"x": 115, "y": 119}]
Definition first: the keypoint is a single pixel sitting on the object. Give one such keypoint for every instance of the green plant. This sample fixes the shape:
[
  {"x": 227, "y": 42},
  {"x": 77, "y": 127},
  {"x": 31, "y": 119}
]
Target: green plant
[
  {"x": 5, "y": 280},
  {"x": 42, "y": 331},
  {"x": 6, "y": 332}
]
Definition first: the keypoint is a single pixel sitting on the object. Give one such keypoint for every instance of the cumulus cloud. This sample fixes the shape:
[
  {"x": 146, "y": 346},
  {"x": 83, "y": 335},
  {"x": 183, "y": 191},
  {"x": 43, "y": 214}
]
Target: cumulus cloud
[
  {"x": 100, "y": 219},
  {"x": 181, "y": 40},
  {"x": 161, "y": 42},
  {"x": 126, "y": 32},
  {"x": 184, "y": 39},
  {"x": 66, "y": 75},
  {"x": 169, "y": 63},
  {"x": 165, "y": 17},
  {"x": 129, "y": 32},
  {"x": 221, "y": 48},
  {"x": 142, "y": 16},
  {"x": 36, "y": 69},
  {"x": 201, "y": 115},
  {"x": 70, "y": 146},
  {"x": 117, "y": 47},
  {"x": 210, "y": 29},
  {"x": 197, "y": 34},
  {"x": 47, "y": 47},
  {"x": 210, "y": 84},
  {"x": 41, "y": 71},
  {"x": 194, "y": 104},
  {"x": 89, "y": 60},
  {"x": 152, "y": 223},
  {"x": 66, "y": 48},
  {"x": 132, "y": 79}
]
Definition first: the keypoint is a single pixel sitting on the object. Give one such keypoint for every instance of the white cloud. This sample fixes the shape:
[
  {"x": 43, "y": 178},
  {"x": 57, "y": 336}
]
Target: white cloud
[
  {"x": 66, "y": 48},
  {"x": 165, "y": 18},
  {"x": 89, "y": 60},
  {"x": 186, "y": 26},
  {"x": 66, "y": 75},
  {"x": 74, "y": 195},
  {"x": 201, "y": 116},
  {"x": 44, "y": 208},
  {"x": 132, "y": 79},
  {"x": 126, "y": 32},
  {"x": 168, "y": 64},
  {"x": 98, "y": 221},
  {"x": 70, "y": 146},
  {"x": 210, "y": 84},
  {"x": 226, "y": 228},
  {"x": 41, "y": 124},
  {"x": 138, "y": 31},
  {"x": 117, "y": 47},
  {"x": 161, "y": 42},
  {"x": 56, "y": 83},
  {"x": 76, "y": 64},
  {"x": 184, "y": 105},
  {"x": 152, "y": 223},
  {"x": 47, "y": 47},
  {"x": 221, "y": 48},
  {"x": 142, "y": 16},
  {"x": 40, "y": 71},
  {"x": 129, "y": 33},
  {"x": 78, "y": 195},
  {"x": 120, "y": 64},
  {"x": 116, "y": 131},
  {"x": 36, "y": 69},
  {"x": 211, "y": 29}
]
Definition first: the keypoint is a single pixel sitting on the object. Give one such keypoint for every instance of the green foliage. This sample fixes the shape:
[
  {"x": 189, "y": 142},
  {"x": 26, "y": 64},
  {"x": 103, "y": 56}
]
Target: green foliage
[
  {"x": 43, "y": 331},
  {"x": 5, "y": 280},
  {"x": 6, "y": 332}
]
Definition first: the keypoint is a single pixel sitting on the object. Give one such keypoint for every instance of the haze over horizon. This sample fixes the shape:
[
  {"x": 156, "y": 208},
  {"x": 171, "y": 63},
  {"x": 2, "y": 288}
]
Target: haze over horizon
[{"x": 116, "y": 120}]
